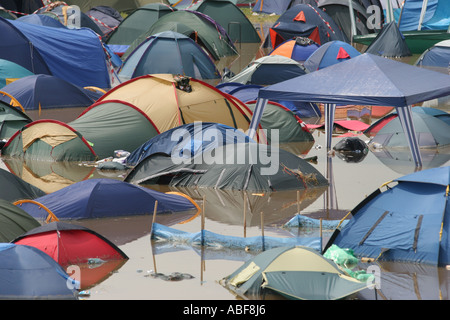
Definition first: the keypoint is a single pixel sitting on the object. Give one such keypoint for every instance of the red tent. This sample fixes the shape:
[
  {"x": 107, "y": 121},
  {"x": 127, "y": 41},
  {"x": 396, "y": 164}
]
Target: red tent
[{"x": 70, "y": 244}]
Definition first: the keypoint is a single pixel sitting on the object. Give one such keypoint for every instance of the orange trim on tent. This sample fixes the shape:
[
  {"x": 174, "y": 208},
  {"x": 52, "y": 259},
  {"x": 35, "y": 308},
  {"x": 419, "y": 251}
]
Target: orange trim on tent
[
  {"x": 284, "y": 50},
  {"x": 51, "y": 216},
  {"x": 342, "y": 54},
  {"x": 300, "y": 17}
]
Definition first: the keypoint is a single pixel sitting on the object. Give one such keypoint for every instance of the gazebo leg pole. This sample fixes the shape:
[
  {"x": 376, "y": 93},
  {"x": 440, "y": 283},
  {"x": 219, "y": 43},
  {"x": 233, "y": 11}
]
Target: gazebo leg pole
[
  {"x": 329, "y": 110},
  {"x": 406, "y": 119}
]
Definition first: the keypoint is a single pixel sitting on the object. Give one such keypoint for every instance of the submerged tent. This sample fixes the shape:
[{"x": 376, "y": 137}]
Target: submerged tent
[
  {"x": 13, "y": 188},
  {"x": 407, "y": 222},
  {"x": 136, "y": 24},
  {"x": 100, "y": 130},
  {"x": 298, "y": 49},
  {"x": 10, "y": 71},
  {"x": 330, "y": 53},
  {"x": 240, "y": 166},
  {"x": 199, "y": 27},
  {"x": 230, "y": 17},
  {"x": 305, "y": 21},
  {"x": 188, "y": 140},
  {"x": 170, "y": 101},
  {"x": 14, "y": 221},
  {"x": 29, "y": 273},
  {"x": 295, "y": 272},
  {"x": 169, "y": 52},
  {"x": 391, "y": 83},
  {"x": 102, "y": 198},
  {"x": 268, "y": 70},
  {"x": 11, "y": 120},
  {"x": 70, "y": 244}
]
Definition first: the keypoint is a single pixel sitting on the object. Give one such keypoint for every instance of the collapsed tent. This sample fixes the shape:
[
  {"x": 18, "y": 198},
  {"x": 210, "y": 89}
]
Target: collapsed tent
[
  {"x": 102, "y": 198},
  {"x": 100, "y": 130},
  {"x": 295, "y": 272},
  {"x": 169, "y": 52},
  {"x": 268, "y": 70},
  {"x": 199, "y": 27},
  {"x": 188, "y": 140},
  {"x": 57, "y": 51},
  {"x": 240, "y": 166},
  {"x": 305, "y": 21},
  {"x": 14, "y": 221},
  {"x": 230, "y": 17},
  {"x": 11, "y": 120},
  {"x": 407, "y": 222},
  {"x": 14, "y": 188},
  {"x": 40, "y": 92},
  {"x": 298, "y": 49},
  {"x": 330, "y": 53},
  {"x": 29, "y": 273},
  {"x": 136, "y": 24},
  {"x": 70, "y": 244},
  {"x": 170, "y": 101},
  {"x": 10, "y": 71}
]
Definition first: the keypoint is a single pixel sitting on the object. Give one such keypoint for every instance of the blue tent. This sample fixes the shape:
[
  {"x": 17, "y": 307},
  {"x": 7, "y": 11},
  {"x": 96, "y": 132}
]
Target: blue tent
[
  {"x": 169, "y": 52},
  {"x": 330, "y": 53},
  {"x": 41, "y": 91},
  {"x": 408, "y": 222},
  {"x": 436, "y": 57},
  {"x": 188, "y": 140},
  {"x": 61, "y": 52},
  {"x": 10, "y": 71},
  {"x": 434, "y": 17},
  {"x": 29, "y": 273},
  {"x": 41, "y": 20},
  {"x": 390, "y": 83},
  {"x": 101, "y": 198}
]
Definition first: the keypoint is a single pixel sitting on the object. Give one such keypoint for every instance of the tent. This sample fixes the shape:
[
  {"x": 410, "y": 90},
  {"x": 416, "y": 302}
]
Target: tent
[
  {"x": 431, "y": 132},
  {"x": 70, "y": 244},
  {"x": 391, "y": 83},
  {"x": 40, "y": 92},
  {"x": 269, "y": 70},
  {"x": 102, "y": 198},
  {"x": 14, "y": 188},
  {"x": 14, "y": 221},
  {"x": 298, "y": 49},
  {"x": 389, "y": 42},
  {"x": 136, "y": 24},
  {"x": 407, "y": 222},
  {"x": 330, "y": 53},
  {"x": 11, "y": 120},
  {"x": 11, "y": 71},
  {"x": 29, "y": 273},
  {"x": 289, "y": 126},
  {"x": 199, "y": 27},
  {"x": 23, "y": 6},
  {"x": 100, "y": 130},
  {"x": 58, "y": 51},
  {"x": 424, "y": 15},
  {"x": 240, "y": 166},
  {"x": 169, "y": 52},
  {"x": 230, "y": 17},
  {"x": 436, "y": 58},
  {"x": 295, "y": 272},
  {"x": 188, "y": 140},
  {"x": 278, "y": 7},
  {"x": 169, "y": 103},
  {"x": 305, "y": 21},
  {"x": 107, "y": 18},
  {"x": 42, "y": 20}
]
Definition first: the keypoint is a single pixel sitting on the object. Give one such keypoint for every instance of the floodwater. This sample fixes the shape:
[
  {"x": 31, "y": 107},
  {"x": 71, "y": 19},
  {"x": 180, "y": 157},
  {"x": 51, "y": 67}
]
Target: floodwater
[{"x": 224, "y": 214}]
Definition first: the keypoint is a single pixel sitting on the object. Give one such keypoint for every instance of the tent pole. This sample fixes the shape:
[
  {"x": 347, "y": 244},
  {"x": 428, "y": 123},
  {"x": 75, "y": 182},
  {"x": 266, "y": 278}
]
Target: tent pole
[
  {"x": 352, "y": 20},
  {"x": 329, "y": 121},
  {"x": 406, "y": 120},
  {"x": 257, "y": 115}
]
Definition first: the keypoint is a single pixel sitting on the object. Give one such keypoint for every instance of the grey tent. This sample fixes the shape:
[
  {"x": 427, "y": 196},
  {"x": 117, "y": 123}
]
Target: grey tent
[
  {"x": 378, "y": 82},
  {"x": 389, "y": 42}
]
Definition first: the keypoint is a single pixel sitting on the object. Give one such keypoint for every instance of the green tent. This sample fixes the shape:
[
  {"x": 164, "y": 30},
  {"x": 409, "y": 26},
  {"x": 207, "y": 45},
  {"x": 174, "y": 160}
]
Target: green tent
[
  {"x": 231, "y": 18},
  {"x": 11, "y": 120},
  {"x": 14, "y": 221},
  {"x": 137, "y": 23},
  {"x": 240, "y": 166},
  {"x": 13, "y": 188},
  {"x": 199, "y": 27},
  {"x": 103, "y": 128},
  {"x": 295, "y": 273}
]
